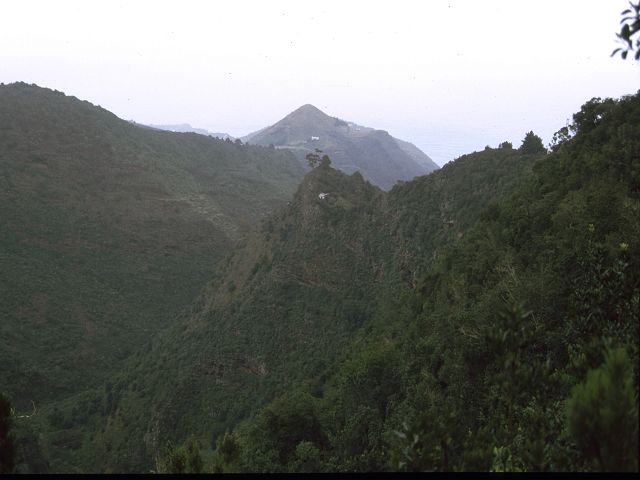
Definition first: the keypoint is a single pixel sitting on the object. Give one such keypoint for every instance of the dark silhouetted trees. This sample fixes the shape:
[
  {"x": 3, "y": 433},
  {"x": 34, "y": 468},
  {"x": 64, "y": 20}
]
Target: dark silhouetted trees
[
  {"x": 532, "y": 144},
  {"x": 7, "y": 442}
]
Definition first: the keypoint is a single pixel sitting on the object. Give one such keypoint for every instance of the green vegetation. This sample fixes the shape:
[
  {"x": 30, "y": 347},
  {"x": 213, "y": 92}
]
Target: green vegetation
[
  {"x": 483, "y": 317},
  {"x": 7, "y": 440},
  {"x": 602, "y": 414},
  {"x": 532, "y": 144},
  {"x": 629, "y": 33},
  {"x": 314, "y": 159},
  {"x": 107, "y": 231},
  {"x": 183, "y": 459}
]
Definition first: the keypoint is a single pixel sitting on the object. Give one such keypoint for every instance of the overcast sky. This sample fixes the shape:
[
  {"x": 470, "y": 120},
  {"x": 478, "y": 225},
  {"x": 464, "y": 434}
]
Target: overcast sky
[{"x": 450, "y": 76}]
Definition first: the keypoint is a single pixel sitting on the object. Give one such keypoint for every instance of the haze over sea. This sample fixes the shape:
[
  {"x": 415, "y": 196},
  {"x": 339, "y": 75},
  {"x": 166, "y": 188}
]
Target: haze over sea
[{"x": 450, "y": 76}]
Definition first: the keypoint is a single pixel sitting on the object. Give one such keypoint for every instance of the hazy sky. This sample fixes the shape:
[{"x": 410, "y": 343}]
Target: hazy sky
[{"x": 450, "y": 76}]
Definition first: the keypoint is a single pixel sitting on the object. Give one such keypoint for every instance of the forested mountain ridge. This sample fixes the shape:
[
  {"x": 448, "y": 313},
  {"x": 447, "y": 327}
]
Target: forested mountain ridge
[
  {"x": 108, "y": 230},
  {"x": 496, "y": 337},
  {"x": 515, "y": 348},
  {"x": 483, "y": 317},
  {"x": 305, "y": 272},
  {"x": 290, "y": 299},
  {"x": 379, "y": 157}
]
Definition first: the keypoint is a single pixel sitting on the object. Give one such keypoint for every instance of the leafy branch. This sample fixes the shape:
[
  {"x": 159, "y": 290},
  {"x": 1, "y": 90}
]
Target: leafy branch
[{"x": 630, "y": 27}]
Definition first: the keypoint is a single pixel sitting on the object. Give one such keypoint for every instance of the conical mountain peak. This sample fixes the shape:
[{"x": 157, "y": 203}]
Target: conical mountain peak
[
  {"x": 308, "y": 112},
  {"x": 308, "y": 108},
  {"x": 381, "y": 158}
]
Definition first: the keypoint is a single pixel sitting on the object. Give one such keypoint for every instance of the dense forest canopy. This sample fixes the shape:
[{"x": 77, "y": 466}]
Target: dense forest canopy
[
  {"x": 515, "y": 349},
  {"x": 482, "y": 317}
]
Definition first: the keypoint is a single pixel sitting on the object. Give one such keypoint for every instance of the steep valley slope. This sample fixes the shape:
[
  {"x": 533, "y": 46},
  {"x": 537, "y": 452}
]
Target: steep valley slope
[
  {"x": 290, "y": 301},
  {"x": 476, "y": 318},
  {"x": 107, "y": 231}
]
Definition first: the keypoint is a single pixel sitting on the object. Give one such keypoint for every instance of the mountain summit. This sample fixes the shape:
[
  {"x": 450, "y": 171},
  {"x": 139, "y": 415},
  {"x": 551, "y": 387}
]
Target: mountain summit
[{"x": 381, "y": 158}]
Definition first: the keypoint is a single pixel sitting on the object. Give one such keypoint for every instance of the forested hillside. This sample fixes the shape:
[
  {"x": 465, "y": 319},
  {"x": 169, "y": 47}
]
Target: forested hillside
[
  {"x": 515, "y": 344},
  {"x": 107, "y": 231},
  {"x": 483, "y": 317},
  {"x": 290, "y": 302}
]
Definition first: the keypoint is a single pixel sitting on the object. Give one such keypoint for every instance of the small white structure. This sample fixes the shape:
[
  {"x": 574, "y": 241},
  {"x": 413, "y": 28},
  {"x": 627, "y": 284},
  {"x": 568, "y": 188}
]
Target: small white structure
[
  {"x": 315, "y": 139},
  {"x": 322, "y": 195}
]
